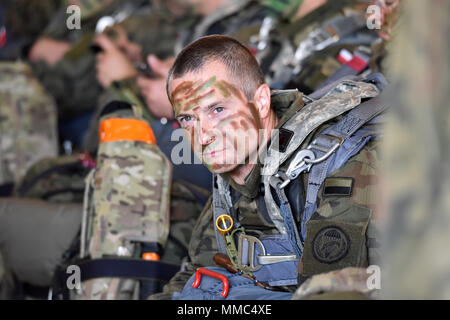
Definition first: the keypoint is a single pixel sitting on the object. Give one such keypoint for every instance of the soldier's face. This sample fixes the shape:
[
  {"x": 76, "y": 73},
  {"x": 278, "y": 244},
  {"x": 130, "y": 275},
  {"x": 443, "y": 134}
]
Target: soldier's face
[{"x": 221, "y": 124}]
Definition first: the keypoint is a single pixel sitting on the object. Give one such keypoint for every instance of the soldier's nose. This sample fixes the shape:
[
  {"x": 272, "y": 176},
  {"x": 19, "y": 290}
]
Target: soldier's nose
[{"x": 205, "y": 137}]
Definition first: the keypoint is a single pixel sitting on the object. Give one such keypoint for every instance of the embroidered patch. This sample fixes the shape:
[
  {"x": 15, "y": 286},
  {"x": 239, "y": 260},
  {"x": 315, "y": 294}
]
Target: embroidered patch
[
  {"x": 330, "y": 244},
  {"x": 338, "y": 187}
]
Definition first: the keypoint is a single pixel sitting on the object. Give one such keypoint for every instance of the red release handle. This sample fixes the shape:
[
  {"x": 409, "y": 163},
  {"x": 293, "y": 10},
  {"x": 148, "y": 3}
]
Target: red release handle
[{"x": 207, "y": 272}]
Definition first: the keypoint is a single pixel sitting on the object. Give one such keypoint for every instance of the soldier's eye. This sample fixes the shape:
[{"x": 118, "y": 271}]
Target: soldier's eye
[
  {"x": 218, "y": 110},
  {"x": 185, "y": 118}
]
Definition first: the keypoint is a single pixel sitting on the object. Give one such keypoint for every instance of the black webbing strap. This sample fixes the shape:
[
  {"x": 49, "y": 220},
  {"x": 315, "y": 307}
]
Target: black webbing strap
[
  {"x": 126, "y": 268},
  {"x": 115, "y": 268}
]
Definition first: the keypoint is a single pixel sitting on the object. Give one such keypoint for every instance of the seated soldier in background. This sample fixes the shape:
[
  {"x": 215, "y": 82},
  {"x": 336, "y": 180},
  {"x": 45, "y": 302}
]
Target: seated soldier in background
[
  {"x": 322, "y": 42},
  {"x": 61, "y": 180},
  {"x": 293, "y": 192}
]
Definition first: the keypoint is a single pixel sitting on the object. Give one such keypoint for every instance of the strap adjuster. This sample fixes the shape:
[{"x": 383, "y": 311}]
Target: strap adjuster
[{"x": 246, "y": 252}]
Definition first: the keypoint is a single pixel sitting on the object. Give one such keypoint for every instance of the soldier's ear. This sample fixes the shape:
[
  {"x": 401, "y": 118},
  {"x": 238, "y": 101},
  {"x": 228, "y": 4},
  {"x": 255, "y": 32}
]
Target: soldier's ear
[{"x": 262, "y": 100}]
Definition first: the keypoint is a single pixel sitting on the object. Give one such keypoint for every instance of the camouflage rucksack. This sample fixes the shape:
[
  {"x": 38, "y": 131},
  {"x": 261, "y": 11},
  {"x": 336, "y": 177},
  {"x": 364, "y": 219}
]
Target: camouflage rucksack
[
  {"x": 126, "y": 204},
  {"x": 28, "y": 130},
  {"x": 59, "y": 179}
]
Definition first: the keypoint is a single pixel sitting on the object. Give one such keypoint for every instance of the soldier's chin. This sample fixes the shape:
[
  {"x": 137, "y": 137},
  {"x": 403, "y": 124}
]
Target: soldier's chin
[{"x": 220, "y": 167}]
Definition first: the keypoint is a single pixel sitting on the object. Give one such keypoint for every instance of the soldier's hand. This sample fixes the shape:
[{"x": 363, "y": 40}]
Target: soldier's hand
[
  {"x": 112, "y": 63},
  {"x": 154, "y": 90},
  {"x": 48, "y": 50}
]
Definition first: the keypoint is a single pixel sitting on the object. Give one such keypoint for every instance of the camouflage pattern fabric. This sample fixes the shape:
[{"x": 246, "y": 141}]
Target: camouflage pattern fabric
[
  {"x": 131, "y": 192},
  {"x": 344, "y": 281},
  {"x": 185, "y": 208},
  {"x": 59, "y": 179},
  {"x": 129, "y": 204},
  {"x": 416, "y": 157},
  {"x": 27, "y": 122}
]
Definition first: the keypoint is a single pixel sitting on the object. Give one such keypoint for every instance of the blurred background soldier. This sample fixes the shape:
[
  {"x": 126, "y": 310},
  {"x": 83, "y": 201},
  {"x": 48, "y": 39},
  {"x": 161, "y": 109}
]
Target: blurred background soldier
[
  {"x": 317, "y": 44},
  {"x": 417, "y": 157},
  {"x": 62, "y": 61},
  {"x": 61, "y": 180}
]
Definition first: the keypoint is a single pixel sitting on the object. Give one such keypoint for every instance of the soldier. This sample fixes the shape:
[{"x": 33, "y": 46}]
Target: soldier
[
  {"x": 416, "y": 170},
  {"x": 287, "y": 204},
  {"x": 62, "y": 60},
  {"x": 322, "y": 42}
]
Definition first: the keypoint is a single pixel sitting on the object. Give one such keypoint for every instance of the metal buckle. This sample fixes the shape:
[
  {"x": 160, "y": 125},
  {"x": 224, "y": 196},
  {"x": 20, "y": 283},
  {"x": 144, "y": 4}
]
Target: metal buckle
[
  {"x": 328, "y": 152},
  {"x": 246, "y": 255},
  {"x": 297, "y": 166},
  {"x": 303, "y": 161},
  {"x": 269, "y": 259}
]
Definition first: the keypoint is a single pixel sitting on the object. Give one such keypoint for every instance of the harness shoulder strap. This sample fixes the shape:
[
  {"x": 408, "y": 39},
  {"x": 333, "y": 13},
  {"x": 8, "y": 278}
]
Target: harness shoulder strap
[
  {"x": 345, "y": 96},
  {"x": 353, "y": 136}
]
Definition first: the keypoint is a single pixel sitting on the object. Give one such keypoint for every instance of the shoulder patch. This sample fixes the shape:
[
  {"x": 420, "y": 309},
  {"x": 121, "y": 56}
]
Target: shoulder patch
[
  {"x": 342, "y": 186},
  {"x": 330, "y": 244}
]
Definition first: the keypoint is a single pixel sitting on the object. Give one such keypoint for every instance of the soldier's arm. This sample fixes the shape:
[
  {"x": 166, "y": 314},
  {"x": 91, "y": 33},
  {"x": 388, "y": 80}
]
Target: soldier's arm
[
  {"x": 341, "y": 235},
  {"x": 202, "y": 248}
]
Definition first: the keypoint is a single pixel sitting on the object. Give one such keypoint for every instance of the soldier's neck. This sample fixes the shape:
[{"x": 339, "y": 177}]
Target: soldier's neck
[{"x": 240, "y": 173}]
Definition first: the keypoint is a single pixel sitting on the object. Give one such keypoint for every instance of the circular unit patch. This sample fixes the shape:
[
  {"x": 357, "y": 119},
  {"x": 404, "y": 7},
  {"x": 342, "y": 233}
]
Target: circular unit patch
[{"x": 330, "y": 244}]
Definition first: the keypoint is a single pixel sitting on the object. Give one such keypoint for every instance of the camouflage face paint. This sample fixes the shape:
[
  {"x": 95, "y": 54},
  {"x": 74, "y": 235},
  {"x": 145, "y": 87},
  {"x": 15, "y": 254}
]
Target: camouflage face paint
[
  {"x": 192, "y": 93},
  {"x": 234, "y": 134}
]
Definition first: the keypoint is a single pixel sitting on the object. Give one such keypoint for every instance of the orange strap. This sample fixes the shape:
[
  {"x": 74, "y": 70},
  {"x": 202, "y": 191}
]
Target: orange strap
[
  {"x": 150, "y": 256},
  {"x": 117, "y": 129}
]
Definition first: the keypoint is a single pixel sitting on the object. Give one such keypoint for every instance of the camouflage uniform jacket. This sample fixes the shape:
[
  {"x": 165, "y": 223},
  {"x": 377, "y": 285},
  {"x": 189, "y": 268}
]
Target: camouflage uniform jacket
[{"x": 356, "y": 209}]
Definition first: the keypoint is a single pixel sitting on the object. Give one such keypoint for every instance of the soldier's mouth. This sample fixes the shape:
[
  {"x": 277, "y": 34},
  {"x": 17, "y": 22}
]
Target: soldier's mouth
[{"x": 213, "y": 154}]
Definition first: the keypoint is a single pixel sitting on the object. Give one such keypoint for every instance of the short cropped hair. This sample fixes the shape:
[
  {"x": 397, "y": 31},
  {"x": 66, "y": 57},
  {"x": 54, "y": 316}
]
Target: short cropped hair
[{"x": 237, "y": 58}]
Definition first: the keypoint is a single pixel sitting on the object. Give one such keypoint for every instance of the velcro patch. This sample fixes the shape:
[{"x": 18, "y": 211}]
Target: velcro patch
[
  {"x": 338, "y": 187},
  {"x": 284, "y": 138}
]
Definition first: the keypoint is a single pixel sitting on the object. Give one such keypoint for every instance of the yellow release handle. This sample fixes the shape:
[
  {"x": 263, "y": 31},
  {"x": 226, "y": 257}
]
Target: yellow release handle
[{"x": 224, "y": 223}]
